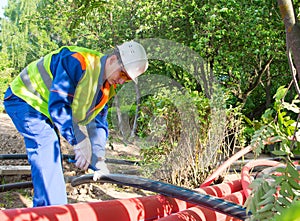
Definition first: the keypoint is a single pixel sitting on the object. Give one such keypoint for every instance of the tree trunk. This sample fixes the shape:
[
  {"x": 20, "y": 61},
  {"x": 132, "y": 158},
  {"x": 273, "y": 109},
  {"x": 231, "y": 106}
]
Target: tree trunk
[
  {"x": 120, "y": 118},
  {"x": 292, "y": 31},
  {"x": 268, "y": 88},
  {"x": 138, "y": 98}
]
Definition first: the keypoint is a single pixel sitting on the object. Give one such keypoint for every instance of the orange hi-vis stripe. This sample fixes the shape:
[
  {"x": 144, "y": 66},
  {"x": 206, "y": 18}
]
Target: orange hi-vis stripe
[
  {"x": 80, "y": 58},
  {"x": 105, "y": 96}
]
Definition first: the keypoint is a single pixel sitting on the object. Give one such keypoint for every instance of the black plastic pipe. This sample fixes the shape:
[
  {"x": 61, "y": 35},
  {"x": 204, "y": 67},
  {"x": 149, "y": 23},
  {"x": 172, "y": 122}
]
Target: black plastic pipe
[
  {"x": 26, "y": 184},
  {"x": 65, "y": 157},
  {"x": 210, "y": 202},
  {"x": 13, "y": 186}
]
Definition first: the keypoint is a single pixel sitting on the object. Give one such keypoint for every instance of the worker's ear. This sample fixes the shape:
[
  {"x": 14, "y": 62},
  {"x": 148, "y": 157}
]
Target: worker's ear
[{"x": 113, "y": 59}]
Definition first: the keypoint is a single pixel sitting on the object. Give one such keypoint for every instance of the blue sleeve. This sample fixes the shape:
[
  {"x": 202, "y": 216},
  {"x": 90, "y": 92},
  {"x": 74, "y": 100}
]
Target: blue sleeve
[
  {"x": 98, "y": 132},
  {"x": 100, "y": 121},
  {"x": 67, "y": 72}
]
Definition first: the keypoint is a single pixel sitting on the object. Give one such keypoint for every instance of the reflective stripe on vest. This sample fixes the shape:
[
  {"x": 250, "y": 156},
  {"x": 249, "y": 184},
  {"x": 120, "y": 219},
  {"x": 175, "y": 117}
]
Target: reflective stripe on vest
[
  {"x": 34, "y": 90},
  {"x": 47, "y": 80},
  {"x": 44, "y": 74}
]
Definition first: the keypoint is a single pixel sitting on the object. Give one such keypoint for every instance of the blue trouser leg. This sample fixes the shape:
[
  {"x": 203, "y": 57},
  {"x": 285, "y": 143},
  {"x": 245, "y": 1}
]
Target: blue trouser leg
[{"x": 43, "y": 150}]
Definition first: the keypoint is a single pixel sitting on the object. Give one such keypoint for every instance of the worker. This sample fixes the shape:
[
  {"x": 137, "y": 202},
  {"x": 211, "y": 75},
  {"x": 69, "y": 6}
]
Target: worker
[{"x": 61, "y": 93}]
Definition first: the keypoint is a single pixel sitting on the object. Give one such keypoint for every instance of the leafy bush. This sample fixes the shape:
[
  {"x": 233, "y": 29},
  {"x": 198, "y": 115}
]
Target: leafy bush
[
  {"x": 174, "y": 127},
  {"x": 273, "y": 193},
  {"x": 265, "y": 201},
  {"x": 277, "y": 123}
]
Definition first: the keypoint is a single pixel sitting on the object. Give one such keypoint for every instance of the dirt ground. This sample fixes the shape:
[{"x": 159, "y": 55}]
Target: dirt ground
[{"x": 11, "y": 142}]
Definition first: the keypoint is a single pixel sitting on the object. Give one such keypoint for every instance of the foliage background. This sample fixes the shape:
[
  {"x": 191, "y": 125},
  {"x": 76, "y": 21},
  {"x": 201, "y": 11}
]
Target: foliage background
[{"x": 242, "y": 43}]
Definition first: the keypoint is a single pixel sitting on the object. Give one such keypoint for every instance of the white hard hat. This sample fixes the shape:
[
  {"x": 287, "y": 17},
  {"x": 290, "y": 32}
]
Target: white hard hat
[{"x": 134, "y": 58}]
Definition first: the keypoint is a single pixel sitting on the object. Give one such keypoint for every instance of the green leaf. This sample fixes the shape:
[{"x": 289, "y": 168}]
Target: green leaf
[
  {"x": 278, "y": 207},
  {"x": 293, "y": 171},
  {"x": 293, "y": 183},
  {"x": 286, "y": 189},
  {"x": 281, "y": 91},
  {"x": 265, "y": 208},
  {"x": 284, "y": 202},
  {"x": 279, "y": 153},
  {"x": 269, "y": 199},
  {"x": 281, "y": 169}
]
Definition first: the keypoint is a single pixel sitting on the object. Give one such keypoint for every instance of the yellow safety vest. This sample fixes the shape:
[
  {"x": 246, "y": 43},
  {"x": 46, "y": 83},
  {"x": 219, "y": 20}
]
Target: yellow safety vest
[{"x": 34, "y": 83}]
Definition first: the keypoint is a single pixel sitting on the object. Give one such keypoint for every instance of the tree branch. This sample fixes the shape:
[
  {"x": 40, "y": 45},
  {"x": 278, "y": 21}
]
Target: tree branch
[{"x": 292, "y": 32}]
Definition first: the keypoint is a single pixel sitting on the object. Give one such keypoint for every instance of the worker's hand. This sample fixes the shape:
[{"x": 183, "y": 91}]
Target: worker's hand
[
  {"x": 83, "y": 154},
  {"x": 101, "y": 169}
]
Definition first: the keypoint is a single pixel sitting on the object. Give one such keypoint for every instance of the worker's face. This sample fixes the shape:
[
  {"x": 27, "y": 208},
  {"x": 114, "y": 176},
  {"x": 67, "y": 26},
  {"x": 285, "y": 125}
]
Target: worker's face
[{"x": 115, "y": 73}]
